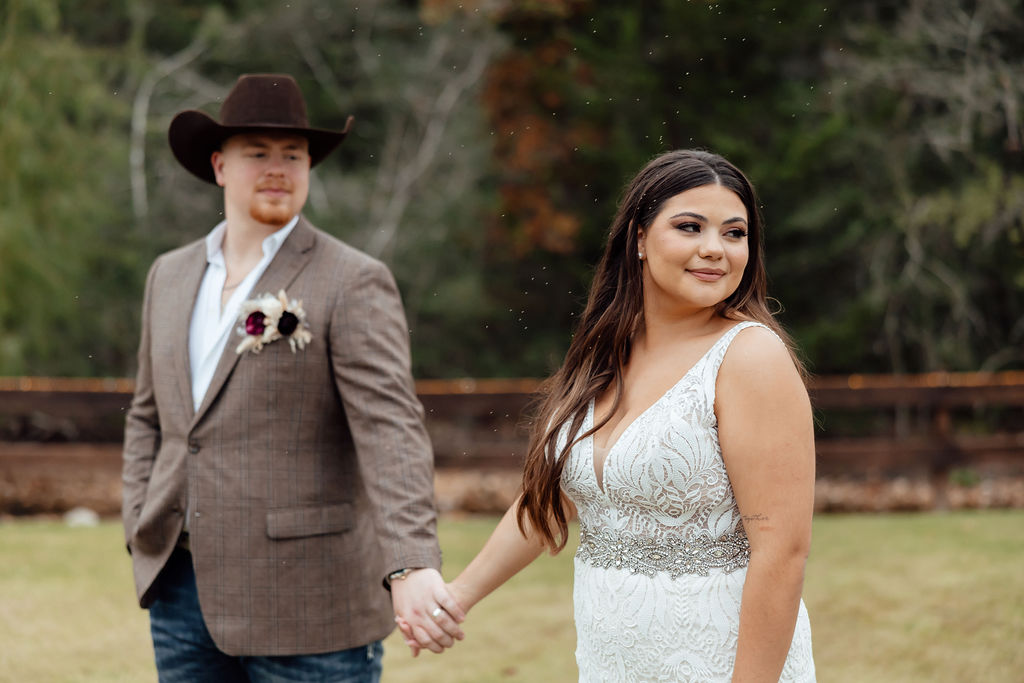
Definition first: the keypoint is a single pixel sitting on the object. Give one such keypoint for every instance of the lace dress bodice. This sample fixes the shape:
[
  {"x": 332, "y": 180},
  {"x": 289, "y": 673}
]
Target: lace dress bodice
[{"x": 662, "y": 556}]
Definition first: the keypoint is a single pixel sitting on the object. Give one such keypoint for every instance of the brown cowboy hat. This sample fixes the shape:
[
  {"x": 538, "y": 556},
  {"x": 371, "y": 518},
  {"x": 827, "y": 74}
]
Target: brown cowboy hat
[{"x": 257, "y": 102}]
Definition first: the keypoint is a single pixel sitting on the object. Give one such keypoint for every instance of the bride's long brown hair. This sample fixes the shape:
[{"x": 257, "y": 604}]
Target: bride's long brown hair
[{"x": 614, "y": 315}]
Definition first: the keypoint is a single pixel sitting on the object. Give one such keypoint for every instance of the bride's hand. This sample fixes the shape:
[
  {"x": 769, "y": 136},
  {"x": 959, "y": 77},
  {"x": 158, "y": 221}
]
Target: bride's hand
[{"x": 406, "y": 628}]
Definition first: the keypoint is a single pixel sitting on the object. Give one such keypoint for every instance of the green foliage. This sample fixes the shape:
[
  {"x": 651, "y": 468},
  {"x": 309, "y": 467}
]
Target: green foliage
[
  {"x": 729, "y": 77},
  {"x": 964, "y": 476},
  {"x": 96, "y": 194},
  {"x": 66, "y": 250},
  {"x": 886, "y": 143},
  {"x": 409, "y": 184},
  {"x": 932, "y": 109}
]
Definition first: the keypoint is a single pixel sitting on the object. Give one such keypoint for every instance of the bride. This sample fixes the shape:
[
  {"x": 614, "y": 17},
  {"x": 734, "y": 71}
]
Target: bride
[{"x": 678, "y": 431}]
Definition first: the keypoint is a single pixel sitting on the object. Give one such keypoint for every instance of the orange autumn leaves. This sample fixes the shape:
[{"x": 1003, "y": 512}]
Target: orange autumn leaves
[{"x": 535, "y": 138}]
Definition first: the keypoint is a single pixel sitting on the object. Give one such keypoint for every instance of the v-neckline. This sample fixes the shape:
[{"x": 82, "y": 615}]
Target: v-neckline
[{"x": 591, "y": 409}]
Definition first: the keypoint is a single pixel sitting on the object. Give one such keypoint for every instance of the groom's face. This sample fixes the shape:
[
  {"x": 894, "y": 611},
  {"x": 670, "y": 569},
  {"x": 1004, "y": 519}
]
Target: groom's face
[{"x": 265, "y": 176}]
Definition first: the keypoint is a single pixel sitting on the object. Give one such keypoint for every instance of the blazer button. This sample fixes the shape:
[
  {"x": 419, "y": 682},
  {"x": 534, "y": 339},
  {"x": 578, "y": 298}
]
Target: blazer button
[{"x": 193, "y": 447}]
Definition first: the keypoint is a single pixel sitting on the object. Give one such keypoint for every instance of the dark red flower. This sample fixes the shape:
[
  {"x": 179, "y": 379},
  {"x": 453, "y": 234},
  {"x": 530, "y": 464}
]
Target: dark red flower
[
  {"x": 287, "y": 324},
  {"x": 255, "y": 323}
]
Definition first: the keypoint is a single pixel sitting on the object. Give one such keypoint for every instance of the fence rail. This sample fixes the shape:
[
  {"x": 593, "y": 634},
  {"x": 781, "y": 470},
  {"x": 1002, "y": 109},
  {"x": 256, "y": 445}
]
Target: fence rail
[
  {"x": 480, "y": 422},
  {"x": 60, "y": 438}
]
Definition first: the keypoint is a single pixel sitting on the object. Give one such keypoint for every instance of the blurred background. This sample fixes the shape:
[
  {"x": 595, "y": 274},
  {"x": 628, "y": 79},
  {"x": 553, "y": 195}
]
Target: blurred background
[{"x": 492, "y": 139}]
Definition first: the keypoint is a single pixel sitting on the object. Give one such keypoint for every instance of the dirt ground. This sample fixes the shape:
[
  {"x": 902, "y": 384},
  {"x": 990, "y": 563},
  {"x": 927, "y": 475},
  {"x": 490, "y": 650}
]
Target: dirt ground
[{"x": 40, "y": 478}]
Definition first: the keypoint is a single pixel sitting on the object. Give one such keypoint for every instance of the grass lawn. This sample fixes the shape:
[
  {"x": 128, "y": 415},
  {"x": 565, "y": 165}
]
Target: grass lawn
[{"x": 894, "y": 598}]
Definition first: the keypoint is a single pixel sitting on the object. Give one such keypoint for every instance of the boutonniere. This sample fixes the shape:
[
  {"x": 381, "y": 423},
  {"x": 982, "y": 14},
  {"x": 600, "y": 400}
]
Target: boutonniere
[{"x": 268, "y": 318}]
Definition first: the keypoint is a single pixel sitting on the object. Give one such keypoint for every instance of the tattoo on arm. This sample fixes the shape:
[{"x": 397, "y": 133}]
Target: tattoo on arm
[{"x": 758, "y": 517}]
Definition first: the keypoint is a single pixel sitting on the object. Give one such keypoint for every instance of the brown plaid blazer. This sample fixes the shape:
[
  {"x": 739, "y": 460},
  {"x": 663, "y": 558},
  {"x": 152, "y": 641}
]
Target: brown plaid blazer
[{"x": 308, "y": 475}]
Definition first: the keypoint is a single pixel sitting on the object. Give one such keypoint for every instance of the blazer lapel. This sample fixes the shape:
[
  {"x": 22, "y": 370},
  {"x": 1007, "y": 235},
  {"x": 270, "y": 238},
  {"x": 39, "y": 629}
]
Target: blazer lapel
[
  {"x": 191, "y": 278},
  {"x": 289, "y": 261}
]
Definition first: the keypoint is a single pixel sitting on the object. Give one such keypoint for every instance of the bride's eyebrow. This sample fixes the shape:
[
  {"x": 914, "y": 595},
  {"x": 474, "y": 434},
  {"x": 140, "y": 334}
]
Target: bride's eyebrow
[
  {"x": 699, "y": 217},
  {"x": 690, "y": 214}
]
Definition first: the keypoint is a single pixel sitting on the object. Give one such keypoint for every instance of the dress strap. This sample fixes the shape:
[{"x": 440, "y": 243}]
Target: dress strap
[{"x": 717, "y": 355}]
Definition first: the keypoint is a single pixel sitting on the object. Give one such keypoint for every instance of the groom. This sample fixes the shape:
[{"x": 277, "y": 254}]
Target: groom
[{"x": 277, "y": 475}]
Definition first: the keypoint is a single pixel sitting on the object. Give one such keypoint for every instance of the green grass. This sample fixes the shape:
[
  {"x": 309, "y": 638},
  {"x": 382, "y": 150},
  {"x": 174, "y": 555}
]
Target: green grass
[
  {"x": 895, "y": 598},
  {"x": 924, "y": 597}
]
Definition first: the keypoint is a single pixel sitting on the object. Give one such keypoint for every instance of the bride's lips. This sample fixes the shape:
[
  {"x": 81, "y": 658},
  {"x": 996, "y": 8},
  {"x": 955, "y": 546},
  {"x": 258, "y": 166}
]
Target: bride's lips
[{"x": 707, "y": 274}]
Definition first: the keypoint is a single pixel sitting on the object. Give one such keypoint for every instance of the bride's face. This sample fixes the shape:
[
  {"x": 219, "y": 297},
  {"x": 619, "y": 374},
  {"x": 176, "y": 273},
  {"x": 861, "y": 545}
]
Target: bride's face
[{"x": 695, "y": 250}]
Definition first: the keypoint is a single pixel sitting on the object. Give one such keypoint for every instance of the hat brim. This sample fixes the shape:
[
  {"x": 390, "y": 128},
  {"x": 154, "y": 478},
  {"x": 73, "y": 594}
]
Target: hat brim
[{"x": 194, "y": 136}]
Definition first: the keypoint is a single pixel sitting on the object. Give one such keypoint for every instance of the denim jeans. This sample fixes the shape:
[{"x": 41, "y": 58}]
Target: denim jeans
[{"x": 185, "y": 652}]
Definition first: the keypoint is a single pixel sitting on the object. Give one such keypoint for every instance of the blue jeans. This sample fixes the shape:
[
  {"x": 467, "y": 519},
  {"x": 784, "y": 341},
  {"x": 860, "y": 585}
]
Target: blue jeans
[{"x": 185, "y": 652}]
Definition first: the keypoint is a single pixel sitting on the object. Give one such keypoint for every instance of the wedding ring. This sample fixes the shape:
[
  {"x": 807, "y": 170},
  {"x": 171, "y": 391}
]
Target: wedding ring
[{"x": 437, "y": 612}]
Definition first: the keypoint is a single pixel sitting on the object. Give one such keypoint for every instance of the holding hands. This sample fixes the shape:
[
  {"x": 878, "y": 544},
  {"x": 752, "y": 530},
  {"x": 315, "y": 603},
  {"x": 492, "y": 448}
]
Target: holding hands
[{"x": 426, "y": 611}]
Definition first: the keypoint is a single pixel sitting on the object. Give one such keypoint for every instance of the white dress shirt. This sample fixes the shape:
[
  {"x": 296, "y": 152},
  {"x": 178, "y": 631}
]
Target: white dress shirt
[{"x": 212, "y": 326}]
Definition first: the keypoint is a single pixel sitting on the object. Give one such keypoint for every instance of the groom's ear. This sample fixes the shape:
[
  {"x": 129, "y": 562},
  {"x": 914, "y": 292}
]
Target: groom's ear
[{"x": 217, "y": 161}]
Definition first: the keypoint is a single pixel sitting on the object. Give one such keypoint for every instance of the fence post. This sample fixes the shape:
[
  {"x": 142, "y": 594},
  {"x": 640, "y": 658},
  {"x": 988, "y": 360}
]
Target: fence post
[{"x": 943, "y": 456}]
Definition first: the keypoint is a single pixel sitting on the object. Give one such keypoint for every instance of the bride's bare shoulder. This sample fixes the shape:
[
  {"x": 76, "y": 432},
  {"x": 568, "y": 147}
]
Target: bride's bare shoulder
[{"x": 758, "y": 359}]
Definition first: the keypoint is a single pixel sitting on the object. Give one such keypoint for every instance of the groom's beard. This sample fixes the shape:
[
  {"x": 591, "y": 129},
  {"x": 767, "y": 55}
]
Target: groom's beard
[{"x": 273, "y": 209}]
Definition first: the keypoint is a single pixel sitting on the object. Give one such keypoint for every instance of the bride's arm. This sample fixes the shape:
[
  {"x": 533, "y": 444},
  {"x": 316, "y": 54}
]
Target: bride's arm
[
  {"x": 766, "y": 433},
  {"x": 506, "y": 552}
]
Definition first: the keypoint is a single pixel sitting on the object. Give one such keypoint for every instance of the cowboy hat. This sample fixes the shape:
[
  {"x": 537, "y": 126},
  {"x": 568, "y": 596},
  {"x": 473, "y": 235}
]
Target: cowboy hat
[{"x": 256, "y": 102}]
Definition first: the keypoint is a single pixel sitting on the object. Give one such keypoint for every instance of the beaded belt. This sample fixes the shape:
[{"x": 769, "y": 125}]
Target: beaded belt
[{"x": 677, "y": 556}]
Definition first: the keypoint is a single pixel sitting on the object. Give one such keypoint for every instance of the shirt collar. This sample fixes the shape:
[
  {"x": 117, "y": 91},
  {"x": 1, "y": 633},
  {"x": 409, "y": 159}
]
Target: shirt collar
[{"x": 271, "y": 243}]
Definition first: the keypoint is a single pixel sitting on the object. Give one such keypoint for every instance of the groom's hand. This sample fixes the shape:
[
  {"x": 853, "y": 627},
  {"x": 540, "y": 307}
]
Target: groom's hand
[{"x": 428, "y": 609}]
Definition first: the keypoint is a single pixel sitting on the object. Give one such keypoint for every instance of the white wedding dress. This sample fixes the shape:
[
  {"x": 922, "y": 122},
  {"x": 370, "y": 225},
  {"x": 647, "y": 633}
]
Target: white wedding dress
[{"x": 662, "y": 557}]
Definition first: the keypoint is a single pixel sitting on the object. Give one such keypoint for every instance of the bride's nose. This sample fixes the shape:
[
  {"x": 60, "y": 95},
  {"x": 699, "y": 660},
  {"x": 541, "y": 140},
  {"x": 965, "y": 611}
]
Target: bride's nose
[{"x": 711, "y": 246}]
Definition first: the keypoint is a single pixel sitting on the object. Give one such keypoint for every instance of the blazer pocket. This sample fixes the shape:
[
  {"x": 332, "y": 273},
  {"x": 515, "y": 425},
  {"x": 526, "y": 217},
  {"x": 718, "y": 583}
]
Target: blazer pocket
[{"x": 309, "y": 521}]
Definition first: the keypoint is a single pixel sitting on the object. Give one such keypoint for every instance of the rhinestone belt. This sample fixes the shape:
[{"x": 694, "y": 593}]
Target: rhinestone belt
[{"x": 677, "y": 556}]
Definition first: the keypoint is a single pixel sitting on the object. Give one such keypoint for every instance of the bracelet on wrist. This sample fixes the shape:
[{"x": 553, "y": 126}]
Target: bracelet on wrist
[{"x": 400, "y": 575}]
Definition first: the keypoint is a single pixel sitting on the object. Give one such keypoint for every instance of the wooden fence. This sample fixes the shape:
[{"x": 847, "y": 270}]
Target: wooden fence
[{"x": 869, "y": 426}]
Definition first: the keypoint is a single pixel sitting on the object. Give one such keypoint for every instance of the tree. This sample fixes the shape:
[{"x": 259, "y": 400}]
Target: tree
[
  {"x": 590, "y": 91},
  {"x": 934, "y": 97},
  {"x": 491, "y": 142},
  {"x": 66, "y": 248},
  {"x": 410, "y": 183},
  {"x": 104, "y": 195},
  {"x": 885, "y": 145}
]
